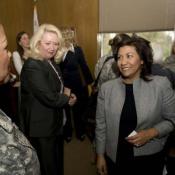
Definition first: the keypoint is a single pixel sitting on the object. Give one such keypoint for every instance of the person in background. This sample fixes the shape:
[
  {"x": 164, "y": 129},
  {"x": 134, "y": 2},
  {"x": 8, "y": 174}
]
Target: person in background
[
  {"x": 105, "y": 70},
  {"x": 135, "y": 114},
  {"x": 76, "y": 76},
  {"x": 18, "y": 58},
  {"x": 109, "y": 70},
  {"x": 169, "y": 63},
  {"x": 16, "y": 153},
  {"x": 170, "y": 60},
  {"x": 22, "y": 50},
  {"x": 43, "y": 97}
]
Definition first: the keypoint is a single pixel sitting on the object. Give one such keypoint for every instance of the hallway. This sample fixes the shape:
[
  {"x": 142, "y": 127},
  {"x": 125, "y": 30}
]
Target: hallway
[{"x": 78, "y": 158}]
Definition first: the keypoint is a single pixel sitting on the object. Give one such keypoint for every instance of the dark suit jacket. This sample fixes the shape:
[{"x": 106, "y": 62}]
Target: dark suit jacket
[
  {"x": 41, "y": 100},
  {"x": 75, "y": 71}
]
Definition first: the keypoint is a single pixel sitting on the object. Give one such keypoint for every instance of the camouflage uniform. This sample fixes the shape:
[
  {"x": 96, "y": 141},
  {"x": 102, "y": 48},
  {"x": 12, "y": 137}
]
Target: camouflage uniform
[
  {"x": 170, "y": 63},
  {"x": 17, "y": 156},
  {"x": 108, "y": 72}
]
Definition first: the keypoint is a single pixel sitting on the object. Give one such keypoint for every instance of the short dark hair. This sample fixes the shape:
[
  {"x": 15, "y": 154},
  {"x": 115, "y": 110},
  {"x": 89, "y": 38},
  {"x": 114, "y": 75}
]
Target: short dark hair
[{"x": 144, "y": 51}]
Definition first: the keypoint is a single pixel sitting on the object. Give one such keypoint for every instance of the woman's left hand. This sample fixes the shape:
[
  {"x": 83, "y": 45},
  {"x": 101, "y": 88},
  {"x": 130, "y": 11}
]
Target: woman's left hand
[{"x": 142, "y": 137}]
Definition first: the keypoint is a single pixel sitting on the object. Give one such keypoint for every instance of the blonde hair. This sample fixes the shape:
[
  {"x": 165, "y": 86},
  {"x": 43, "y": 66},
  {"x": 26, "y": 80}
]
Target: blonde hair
[
  {"x": 69, "y": 35},
  {"x": 2, "y": 35},
  {"x": 36, "y": 38}
]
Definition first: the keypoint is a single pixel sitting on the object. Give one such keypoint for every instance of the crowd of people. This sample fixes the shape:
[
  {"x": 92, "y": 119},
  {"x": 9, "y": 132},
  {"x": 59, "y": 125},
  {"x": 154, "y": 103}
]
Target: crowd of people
[{"x": 135, "y": 116}]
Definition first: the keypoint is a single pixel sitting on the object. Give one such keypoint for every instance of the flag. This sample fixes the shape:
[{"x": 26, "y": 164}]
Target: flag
[
  {"x": 35, "y": 19},
  {"x": 174, "y": 33}
]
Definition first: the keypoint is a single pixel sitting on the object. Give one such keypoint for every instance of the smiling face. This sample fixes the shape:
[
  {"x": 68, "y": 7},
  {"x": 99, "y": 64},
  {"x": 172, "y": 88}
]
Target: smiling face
[
  {"x": 129, "y": 63},
  {"x": 48, "y": 45},
  {"x": 24, "y": 41},
  {"x": 4, "y": 56}
]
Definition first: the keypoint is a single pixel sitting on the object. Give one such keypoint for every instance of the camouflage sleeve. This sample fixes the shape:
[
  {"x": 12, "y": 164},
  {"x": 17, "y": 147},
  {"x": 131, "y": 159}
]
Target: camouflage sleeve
[
  {"x": 99, "y": 65},
  {"x": 17, "y": 156},
  {"x": 107, "y": 72}
]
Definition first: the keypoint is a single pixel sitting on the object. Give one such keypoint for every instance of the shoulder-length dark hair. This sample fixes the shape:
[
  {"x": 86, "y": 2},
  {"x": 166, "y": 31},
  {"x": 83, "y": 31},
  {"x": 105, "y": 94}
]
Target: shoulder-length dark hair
[
  {"x": 19, "y": 47},
  {"x": 144, "y": 51}
]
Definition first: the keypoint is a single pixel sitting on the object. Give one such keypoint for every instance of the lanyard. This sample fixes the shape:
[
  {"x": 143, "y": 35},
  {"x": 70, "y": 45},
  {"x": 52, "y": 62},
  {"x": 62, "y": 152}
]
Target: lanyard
[{"x": 57, "y": 75}]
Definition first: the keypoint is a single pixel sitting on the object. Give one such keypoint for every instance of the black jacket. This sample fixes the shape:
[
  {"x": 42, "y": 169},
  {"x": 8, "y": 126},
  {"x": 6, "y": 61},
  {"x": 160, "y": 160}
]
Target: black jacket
[
  {"x": 41, "y": 100},
  {"x": 75, "y": 71}
]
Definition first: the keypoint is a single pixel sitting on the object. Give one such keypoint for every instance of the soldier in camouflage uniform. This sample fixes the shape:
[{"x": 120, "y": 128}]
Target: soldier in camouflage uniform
[
  {"x": 17, "y": 156},
  {"x": 107, "y": 72}
]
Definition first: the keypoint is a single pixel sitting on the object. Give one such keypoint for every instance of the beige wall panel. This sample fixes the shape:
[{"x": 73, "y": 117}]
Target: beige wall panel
[
  {"x": 136, "y": 15},
  {"x": 17, "y": 15},
  {"x": 81, "y": 14}
]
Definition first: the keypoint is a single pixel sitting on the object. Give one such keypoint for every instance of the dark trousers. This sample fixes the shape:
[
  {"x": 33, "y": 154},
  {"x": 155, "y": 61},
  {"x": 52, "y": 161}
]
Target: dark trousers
[
  {"x": 170, "y": 154},
  {"x": 67, "y": 130},
  {"x": 50, "y": 154},
  {"x": 170, "y": 165},
  {"x": 76, "y": 113},
  {"x": 141, "y": 165}
]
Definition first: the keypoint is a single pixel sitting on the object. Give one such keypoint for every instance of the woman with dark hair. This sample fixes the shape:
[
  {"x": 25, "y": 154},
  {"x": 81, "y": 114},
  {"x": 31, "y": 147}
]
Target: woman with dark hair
[
  {"x": 135, "y": 114},
  {"x": 18, "y": 58},
  {"x": 21, "y": 53}
]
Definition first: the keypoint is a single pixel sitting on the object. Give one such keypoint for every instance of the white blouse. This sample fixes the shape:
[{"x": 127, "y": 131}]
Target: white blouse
[{"x": 17, "y": 60}]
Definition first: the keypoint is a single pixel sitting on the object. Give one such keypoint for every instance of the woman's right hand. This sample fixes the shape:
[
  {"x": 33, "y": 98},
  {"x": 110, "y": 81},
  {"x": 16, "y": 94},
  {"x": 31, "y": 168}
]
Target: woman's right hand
[
  {"x": 67, "y": 91},
  {"x": 101, "y": 165},
  {"x": 72, "y": 99}
]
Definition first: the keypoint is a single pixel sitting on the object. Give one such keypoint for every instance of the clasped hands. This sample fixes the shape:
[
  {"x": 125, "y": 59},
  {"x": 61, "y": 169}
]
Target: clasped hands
[{"x": 72, "y": 97}]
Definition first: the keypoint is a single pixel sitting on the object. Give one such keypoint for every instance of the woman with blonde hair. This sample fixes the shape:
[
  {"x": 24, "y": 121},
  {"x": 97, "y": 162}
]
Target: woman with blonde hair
[
  {"x": 43, "y": 97},
  {"x": 77, "y": 77}
]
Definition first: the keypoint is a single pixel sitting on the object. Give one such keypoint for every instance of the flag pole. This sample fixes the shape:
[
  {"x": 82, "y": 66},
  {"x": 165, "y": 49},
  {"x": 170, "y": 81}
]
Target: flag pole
[
  {"x": 174, "y": 33},
  {"x": 35, "y": 17}
]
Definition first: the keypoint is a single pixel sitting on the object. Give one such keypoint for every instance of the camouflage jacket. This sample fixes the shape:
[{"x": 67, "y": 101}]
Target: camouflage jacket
[
  {"x": 109, "y": 70},
  {"x": 170, "y": 63},
  {"x": 17, "y": 156}
]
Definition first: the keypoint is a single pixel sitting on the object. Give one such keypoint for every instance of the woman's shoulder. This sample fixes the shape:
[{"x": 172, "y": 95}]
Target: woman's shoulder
[
  {"x": 15, "y": 54},
  {"x": 31, "y": 62},
  {"x": 78, "y": 48},
  {"x": 160, "y": 81},
  {"x": 159, "y": 78},
  {"x": 111, "y": 83}
]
